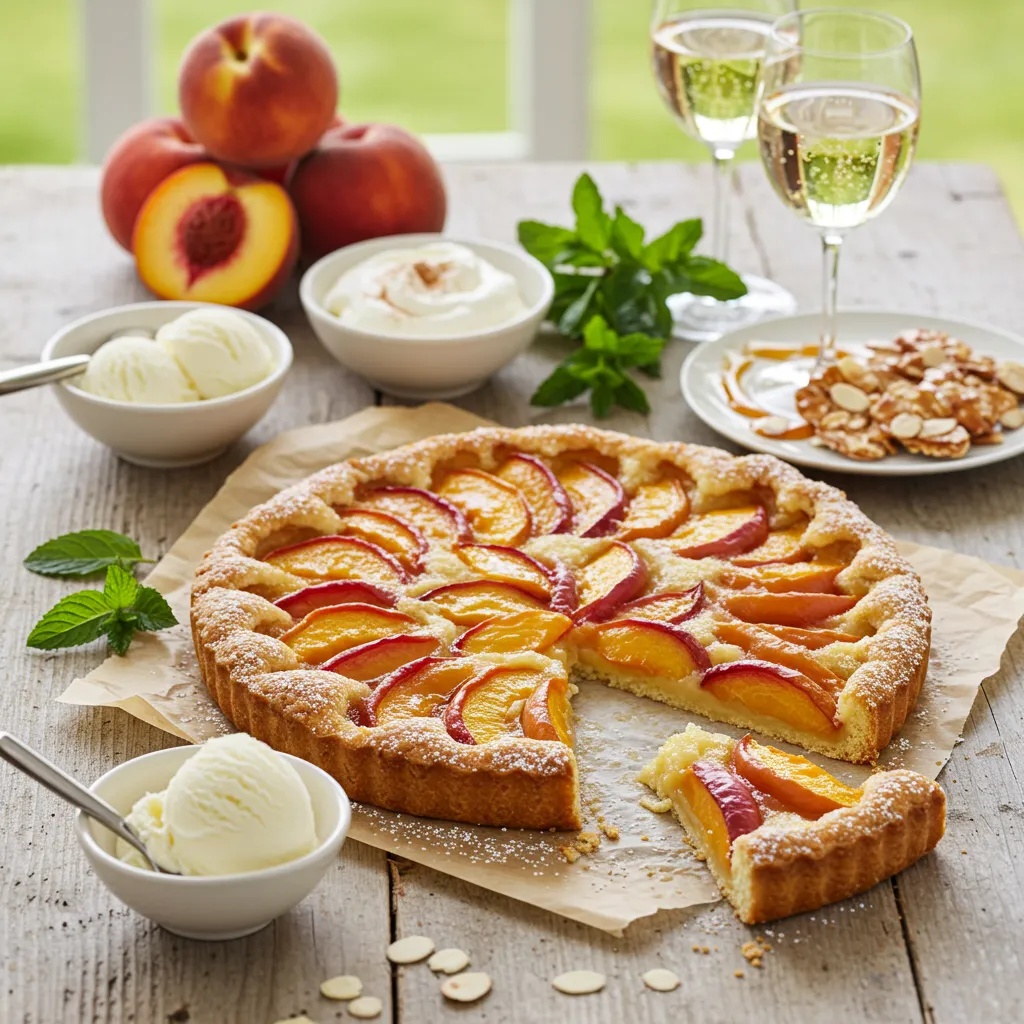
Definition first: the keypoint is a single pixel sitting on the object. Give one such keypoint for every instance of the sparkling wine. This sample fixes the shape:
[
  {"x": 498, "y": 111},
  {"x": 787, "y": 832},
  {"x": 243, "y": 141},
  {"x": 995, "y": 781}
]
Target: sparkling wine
[
  {"x": 837, "y": 152},
  {"x": 707, "y": 64}
]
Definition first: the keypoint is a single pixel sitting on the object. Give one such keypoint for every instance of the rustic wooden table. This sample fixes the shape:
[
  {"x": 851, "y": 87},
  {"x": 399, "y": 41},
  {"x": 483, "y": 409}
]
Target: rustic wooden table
[{"x": 943, "y": 942}]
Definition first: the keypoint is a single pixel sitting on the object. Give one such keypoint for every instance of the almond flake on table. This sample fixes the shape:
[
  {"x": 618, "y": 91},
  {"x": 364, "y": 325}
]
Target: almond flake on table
[
  {"x": 579, "y": 983},
  {"x": 660, "y": 979},
  {"x": 295, "y": 1020},
  {"x": 449, "y": 961},
  {"x": 365, "y": 1007},
  {"x": 342, "y": 987},
  {"x": 466, "y": 988},
  {"x": 411, "y": 949}
]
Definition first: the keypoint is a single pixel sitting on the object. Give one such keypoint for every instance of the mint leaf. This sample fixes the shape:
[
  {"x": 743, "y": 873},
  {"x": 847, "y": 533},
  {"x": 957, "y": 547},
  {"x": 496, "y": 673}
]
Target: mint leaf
[
  {"x": 602, "y": 398},
  {"x": 152, "y": 610},
  {"x": 120, "y": 587},
  {"x": 704, "y": 276},
  {"x": 640, "y": 349},
  {"x": 579, "y": 310},
  {"x": 627, "y": 235},
  {"x": 76, "y": 619},
  {"x": 677, "y": 242},
  {"x": 593, "y": 225},
  {"x": 561, "y": 387},
  {"x": 631, "y": 396},
  {"x": 598, "y": 336},
  {"x": 545, "y": 242},
  {"x": 83, "y": 553},
  {"x": 120, "y": 632}
]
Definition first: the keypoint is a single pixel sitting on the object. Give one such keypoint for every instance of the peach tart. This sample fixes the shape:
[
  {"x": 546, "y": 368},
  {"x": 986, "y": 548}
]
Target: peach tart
[
  {"x": 780, "y": 834},
  {"x": 414, "y": 622}
]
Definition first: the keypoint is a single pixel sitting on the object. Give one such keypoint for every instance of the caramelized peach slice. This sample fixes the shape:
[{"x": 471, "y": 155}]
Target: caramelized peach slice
[
  {"x": 471, "y": 602},
  {"x": 550, "y": 508},
  {"x": 565, "y": 596},
  {"x": 320, "y": 595},
  {"x": 546, "y": 713},
  {"x": 655, "y": 510},
  {"x": 812, "y": 639},
  {"x": 381, "y": 657},
  {"x": 438, "y": 520},
  {"x": 721, "y": 533},
  {"x": 793, "y": 780},
  {"x": 761, "y": 644},
  {"x": 491, "y": 705},
  {"x": 508, "y": 565},
  {"x": 779, "y": 546},
  {"x": 497, "y": 512},
  {"x": 788, "y": 609},
  {"x": 388, "y": 532},
  {"x": 325, "y": 632},
  {"x": 507, "y": 634},
  {"x": 671, "y": 606},
  {"x": 652, "y": 648},
  {"x": 780, "y": 578},
  {"x": 615, "y": 576},
  {"x": 774, "y": 691},
  {"x": 417, "y": 690},
  {"x": 338, "y": 558},
  {"x": 723, "y": 805},
  {"x": 598, "y": 500}
]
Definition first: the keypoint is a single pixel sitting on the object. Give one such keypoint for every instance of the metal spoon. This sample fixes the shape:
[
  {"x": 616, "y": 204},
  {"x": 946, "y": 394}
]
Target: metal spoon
[
  {"x": 53, "y": 370},
  {"x": 48, "y": 774}
]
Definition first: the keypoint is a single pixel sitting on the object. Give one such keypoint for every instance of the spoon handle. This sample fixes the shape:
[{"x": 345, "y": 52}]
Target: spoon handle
[
  {"x": 57, "y": 781},
  {"x": 35, "y": 374}
]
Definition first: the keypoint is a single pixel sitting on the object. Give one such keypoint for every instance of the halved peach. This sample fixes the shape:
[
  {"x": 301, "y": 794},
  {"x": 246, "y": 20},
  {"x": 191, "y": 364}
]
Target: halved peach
[
  {"x": 496, "y": 510},
  {"x": 393, "y": 535},
  {"x": 671, "y": 606},
  {"x": 471, "y": 602},
  {"x": 320, "y": 595},
  {"x": 615, "y": 576},
  {"x": 598, "y": 500},
  {"x": 801, "y": 786},
  {"x": 381, "y": 657},
  {"x": 325, "y": 632},
  {"x": 655, "y": 510},
  {"x": 788, "y": 609},
  {"x": 721, "y": 533},
  {"x": 490, "y": 706},
  {"x": 761, "y": 644},
  {"x": 215, "y": 234},
  {"x": 774, "y": 691},
  {"x": 779, "y": 546},
  {"x": 507, "y": 634},
  {"x": 417, "y": 690},
  {"x": 508, "y": 565},
  {"x": 723, "y": 805},
  {"x": 641, "y": 645},
  {"x": 812, "y": 639},
  {"x": 550, "y": 508},
  {"x": 781, "y": 578},
  {"x": 337, "y": 558},
  {"x": 547, "y": 714},
  {"x": 438, "y": 520}
]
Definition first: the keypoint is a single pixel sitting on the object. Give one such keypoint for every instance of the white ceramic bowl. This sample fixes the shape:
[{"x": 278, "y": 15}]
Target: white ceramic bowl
[
  {"x": 164, "y": 436},
  {"x": 427, "y": 368},
  {"x": 217, "y": 907}
]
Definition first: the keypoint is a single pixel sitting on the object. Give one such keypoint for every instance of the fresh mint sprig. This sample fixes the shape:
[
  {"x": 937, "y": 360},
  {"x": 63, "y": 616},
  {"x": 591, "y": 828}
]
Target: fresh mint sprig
[
  {"x": 603, "y": 267},
  {"x": 84, "y": 553}
]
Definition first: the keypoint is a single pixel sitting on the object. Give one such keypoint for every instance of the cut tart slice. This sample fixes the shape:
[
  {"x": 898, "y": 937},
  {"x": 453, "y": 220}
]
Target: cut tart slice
[{"x": 780, "y": 834}]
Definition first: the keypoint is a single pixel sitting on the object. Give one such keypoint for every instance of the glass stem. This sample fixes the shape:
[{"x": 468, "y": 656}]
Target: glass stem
[
  {"x": 830, "y": 245},
  {"x": 723, "y": 181}
]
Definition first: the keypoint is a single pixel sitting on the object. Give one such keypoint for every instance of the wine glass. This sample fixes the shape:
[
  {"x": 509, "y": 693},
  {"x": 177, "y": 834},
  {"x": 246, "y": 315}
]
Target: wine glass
[
  {"x": 707, "y": 58},
  {"x": 837, "y": 117}
]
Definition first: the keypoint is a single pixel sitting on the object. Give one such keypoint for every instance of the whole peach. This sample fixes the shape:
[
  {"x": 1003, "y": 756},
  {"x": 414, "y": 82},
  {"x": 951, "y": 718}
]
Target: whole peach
[
  {"x": 136, "y": 164},
  {"x": 258, "y": 90},
  {"x": 363, "y": 181}
]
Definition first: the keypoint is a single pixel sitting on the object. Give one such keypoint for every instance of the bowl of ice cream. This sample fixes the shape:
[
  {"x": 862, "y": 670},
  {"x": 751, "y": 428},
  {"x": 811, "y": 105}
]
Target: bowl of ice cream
[
  {"x": 251, "y": 831},
  {"x": 171, "y": 384},
  {"x": 426, "y": 316}
]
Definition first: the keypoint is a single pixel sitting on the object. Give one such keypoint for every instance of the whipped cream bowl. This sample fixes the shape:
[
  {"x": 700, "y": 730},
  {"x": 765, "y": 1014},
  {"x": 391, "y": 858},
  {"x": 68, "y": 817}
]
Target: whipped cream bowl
[
  {"x": 214, "y": 906},
  {"x": 426, "y": 316}
]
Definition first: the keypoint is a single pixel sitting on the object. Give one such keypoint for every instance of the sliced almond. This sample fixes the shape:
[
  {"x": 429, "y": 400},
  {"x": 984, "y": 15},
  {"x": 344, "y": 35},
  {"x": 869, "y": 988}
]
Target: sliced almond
[
  {"x": 769, "y": 426},
  {"x": 937, "y": 427},
  {"x": 343, "y": 987},
  {"x": 905, "y": 425},
  {"x": 857, "y": 422},
  {"x": 1011, "y": 375},
  {"x": 466, "y": 988},
  {"x": 848, "y": 397},
  {"x": 987, "y": 439},
  {"x": 1012, "y": 418},
  {"x": 579, "y": 983},
  {"x": 851, "y": 369},
  {"x": 660, "y": 979},
  {"x": 449, "y": 961},
  {"x": 411, "y": 949},
  {"x": 295, "y": 1020},
  {"x": 933, "y": 355},
  {"x": 835, "y": 419},
  {"x": 365, "y": 1007}
]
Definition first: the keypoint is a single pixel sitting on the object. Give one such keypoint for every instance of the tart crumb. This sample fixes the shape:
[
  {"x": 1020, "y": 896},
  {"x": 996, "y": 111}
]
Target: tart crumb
[
  {"x": 737, "y": 974},
  {"x": 649, "y": 803},
  {"x": 611, "y": 831},
  {"x": 755, "y": 950},
  {"x": 584, "y": 843}
]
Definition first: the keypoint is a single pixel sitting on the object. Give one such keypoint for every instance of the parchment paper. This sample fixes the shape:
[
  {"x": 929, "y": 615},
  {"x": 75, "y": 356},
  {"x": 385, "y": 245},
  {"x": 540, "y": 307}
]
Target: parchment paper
[{"x": 976, "y": 606}]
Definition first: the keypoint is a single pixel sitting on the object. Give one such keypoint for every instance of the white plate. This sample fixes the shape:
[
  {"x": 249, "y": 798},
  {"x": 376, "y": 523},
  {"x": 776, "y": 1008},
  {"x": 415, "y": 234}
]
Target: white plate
[{"x": 701, "y": 374}]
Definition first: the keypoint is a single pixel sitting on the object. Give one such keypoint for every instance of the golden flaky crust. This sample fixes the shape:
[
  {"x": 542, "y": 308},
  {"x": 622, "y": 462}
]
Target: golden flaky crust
[{"x": 413, "y": 765}]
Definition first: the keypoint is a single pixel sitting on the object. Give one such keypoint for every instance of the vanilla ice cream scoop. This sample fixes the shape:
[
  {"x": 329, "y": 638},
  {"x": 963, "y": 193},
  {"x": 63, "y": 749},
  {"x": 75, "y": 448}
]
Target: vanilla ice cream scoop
[
  {"x": 220, "y": 351},
  {"x": 235, "y": 806},
  {"x": 130, "y": 369}
]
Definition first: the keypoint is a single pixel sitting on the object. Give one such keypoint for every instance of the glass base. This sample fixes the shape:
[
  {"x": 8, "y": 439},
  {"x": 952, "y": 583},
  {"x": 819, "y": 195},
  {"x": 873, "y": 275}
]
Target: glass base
[{"x": 699, "y": 318}]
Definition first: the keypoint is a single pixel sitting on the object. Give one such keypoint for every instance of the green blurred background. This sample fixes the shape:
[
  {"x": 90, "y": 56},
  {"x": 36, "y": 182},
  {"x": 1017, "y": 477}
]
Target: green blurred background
[{"x": 442, "y": 67}]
